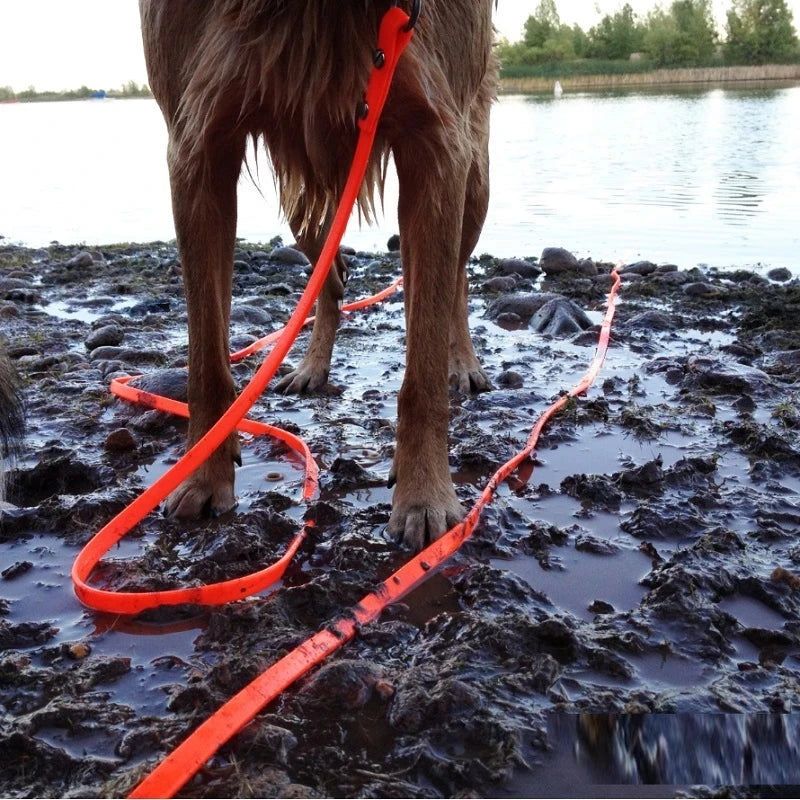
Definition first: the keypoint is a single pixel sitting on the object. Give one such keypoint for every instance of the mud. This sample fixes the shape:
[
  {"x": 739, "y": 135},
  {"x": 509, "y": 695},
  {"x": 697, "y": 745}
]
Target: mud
[{"x": 631, "y": 589}]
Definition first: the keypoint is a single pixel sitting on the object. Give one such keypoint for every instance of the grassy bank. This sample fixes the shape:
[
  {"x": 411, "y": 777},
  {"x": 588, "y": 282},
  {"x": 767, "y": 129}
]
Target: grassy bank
[{"x": 573, "y": 78}]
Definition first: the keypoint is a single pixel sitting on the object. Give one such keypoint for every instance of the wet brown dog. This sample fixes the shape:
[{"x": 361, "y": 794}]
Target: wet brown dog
[{"x": 293, "y": 73}]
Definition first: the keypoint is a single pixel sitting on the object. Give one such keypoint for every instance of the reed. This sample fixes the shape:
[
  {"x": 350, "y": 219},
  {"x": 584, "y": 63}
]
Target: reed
[{"x": 570, "y": 81}]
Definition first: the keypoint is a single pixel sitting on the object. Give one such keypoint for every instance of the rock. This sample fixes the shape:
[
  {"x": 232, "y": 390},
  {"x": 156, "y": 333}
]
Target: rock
[
  {"x": 587, "y": 268},
  {"x": 172, "y": 383},
  {"x": 560, "y": 317},
  {"x": 510, "y": 380},
  {"x": 16, "y": 569},
  {"x": 517, "y": 266},
  {"x": 83, "y": 259},
  {"x": 639, "y": 268},
  {"x": 780, "y": 274},
  {"x": 509, "y": 320},
  {"x": 289, "y": 256},
  {"x": 557, "y": 261},
  {"x": 393, "y": 245},
  {"x": 650, "y": 321},
  {"x": 586, "y": 543},
  {"x": 500, "y": 284},
  {"x": 700, "y": 289},
  {"x": 9, "y": 285},
  {"x": 107, "y": 336},
  {"x": 601, "y": 607},
  {"x": 250, "y": 314},
  {"x": 120, "y": 440},
  {"x": 673, "y": 278},
  {"x": 523, "y": 304}
]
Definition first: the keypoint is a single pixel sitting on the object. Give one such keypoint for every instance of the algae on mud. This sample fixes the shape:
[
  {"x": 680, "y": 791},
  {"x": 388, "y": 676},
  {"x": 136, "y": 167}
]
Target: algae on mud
[{"x": 630, "y": 574}]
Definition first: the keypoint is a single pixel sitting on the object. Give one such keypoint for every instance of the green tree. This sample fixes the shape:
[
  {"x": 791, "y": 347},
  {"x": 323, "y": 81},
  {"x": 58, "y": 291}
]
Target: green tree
[
  {"x": 616, "y": 35},
  {"x": 760, "y": 31},
  {"x": 683, "y": 36},
  {"x": 542, "y": 24}
]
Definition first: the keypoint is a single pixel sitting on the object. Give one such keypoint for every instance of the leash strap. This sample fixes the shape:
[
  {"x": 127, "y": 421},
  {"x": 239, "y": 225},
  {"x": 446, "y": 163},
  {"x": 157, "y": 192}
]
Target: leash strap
[{"x": 187, "y": 759}]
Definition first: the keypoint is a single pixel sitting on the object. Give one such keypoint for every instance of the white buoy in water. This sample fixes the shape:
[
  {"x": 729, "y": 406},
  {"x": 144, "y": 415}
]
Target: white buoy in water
[{"x": 557, "y": 89}]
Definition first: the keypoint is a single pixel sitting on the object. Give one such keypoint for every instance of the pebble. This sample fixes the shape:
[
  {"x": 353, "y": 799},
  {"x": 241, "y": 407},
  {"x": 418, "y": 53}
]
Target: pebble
[
  {"x": 120, "y": 440},
  {"x": 107, "y": 336}
]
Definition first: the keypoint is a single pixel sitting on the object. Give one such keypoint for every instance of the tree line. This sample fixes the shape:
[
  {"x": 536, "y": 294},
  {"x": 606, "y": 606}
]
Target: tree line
[
  {"x": 29, "y": 95},
  {"x": 684, "y": 34}
]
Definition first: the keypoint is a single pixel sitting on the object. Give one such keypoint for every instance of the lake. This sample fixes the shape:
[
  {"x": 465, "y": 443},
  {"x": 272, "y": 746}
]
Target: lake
[{"x": 703, "y": 176}]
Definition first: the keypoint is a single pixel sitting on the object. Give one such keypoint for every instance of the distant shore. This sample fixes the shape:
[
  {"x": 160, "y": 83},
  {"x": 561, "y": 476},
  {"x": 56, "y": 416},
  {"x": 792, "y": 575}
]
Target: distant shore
[{"x": 655, "y": 78}]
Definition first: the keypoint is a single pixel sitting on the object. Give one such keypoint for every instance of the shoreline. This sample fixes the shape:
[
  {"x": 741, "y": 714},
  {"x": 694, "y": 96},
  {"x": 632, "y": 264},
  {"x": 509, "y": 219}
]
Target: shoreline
[{"x": 690, "y": 78}]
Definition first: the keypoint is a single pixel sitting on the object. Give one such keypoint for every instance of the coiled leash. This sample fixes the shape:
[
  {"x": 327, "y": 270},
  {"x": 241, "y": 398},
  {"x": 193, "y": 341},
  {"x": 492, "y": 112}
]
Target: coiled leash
[{"x": 396, "y": 30}]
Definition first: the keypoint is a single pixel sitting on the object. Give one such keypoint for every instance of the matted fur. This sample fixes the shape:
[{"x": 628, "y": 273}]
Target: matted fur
[
  {"x": 11, "y": 416},
  {"x": 292, "y": 73}
]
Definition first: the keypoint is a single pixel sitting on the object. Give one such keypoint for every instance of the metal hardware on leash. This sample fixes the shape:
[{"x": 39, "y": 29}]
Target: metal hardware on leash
[{"x": 416, "y": 10}]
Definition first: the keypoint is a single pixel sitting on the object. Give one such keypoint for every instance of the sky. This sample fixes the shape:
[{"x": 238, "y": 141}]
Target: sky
[{"x": 54, "y": 45}]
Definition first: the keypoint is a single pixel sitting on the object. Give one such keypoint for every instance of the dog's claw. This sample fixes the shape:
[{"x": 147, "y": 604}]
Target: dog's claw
[
  {"x": 302, "y": 380},
  {"x": 419, "y": 526},
  {"x": 467, "y": 375}
]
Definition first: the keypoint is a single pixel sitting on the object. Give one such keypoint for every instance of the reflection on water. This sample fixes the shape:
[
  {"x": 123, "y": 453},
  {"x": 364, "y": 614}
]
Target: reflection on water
[{"x": 691, "y": 176}]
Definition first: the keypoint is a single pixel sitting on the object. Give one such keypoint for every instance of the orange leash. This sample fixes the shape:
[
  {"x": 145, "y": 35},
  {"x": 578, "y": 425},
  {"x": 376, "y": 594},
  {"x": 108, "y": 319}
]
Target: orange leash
[
  {"x": 393, "y": 36},
  {"x": 180, "y": 765},
  {"x": 185, "y": 761}
]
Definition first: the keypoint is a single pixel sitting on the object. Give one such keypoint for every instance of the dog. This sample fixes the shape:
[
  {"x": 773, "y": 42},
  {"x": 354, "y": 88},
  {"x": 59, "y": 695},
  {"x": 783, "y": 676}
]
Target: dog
[
  {"x": 292, "y": 73},
  {"x": 11, "y": 416}
]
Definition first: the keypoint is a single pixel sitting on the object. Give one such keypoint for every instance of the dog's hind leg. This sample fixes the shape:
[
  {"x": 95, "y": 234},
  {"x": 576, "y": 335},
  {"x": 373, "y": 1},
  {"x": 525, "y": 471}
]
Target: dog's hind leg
[
  {"x": 466, "y": 372},
  {"x": 312, "y": 372},
  {"x": 430, "y": 210},
  {"x": 204, "y": 208}
]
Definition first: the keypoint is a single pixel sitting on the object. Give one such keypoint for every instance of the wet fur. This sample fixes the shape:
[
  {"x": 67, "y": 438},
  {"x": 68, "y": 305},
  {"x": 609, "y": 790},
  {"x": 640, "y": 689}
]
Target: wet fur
[
  {"x": 291, "y": 74},
  {"x": 11, "y": 415}
]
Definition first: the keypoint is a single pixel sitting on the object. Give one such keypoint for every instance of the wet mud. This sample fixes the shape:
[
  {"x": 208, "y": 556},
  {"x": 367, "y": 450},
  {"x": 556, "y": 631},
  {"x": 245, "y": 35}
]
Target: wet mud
[{"x": 632, "y": 589}]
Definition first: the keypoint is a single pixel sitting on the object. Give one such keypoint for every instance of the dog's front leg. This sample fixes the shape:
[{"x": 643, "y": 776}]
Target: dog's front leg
[
  {"x": 431, "y": 208},
  {"x": 204, "y": 208}
]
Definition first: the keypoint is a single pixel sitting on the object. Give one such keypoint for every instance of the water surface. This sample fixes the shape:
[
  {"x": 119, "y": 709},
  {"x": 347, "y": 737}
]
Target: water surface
[{"x": 703, "y": 176}]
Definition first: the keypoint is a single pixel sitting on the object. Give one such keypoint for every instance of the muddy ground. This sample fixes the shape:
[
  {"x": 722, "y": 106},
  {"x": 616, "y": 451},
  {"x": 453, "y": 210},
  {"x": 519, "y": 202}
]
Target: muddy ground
[{"x": 628, "y": 612}]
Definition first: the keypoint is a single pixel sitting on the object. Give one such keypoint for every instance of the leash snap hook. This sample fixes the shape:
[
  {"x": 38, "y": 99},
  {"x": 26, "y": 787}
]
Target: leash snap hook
[{"x": 416, "y": 10}]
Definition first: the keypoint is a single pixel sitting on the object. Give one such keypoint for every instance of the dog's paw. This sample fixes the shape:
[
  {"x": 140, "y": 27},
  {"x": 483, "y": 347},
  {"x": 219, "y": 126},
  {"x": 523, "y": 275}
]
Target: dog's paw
[
  {"x": 306, "y": 378},
  {"x": 416, "y": 526},
  {"x": 207, "y": 492},
  {"x": 467, "y": 375}
]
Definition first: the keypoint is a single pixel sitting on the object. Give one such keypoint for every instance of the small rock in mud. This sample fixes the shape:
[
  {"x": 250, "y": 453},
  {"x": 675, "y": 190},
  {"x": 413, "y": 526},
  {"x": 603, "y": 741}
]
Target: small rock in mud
[
  {"x": 560, "y": 317},
  {"x": 107, "y": 336},
  {"x": 120, "y": 440}
]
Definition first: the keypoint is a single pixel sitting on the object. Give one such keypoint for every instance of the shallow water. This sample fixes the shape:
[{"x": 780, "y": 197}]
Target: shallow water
[{"x": 695, "y": 176}]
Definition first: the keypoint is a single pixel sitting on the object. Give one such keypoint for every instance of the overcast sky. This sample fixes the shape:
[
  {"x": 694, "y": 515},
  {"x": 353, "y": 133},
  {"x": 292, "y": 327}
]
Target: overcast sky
[{"x": 53, "y": 44}]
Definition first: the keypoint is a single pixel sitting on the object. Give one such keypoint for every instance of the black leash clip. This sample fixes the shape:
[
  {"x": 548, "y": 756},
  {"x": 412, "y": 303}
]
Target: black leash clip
[{"x": 416, "y": 10}]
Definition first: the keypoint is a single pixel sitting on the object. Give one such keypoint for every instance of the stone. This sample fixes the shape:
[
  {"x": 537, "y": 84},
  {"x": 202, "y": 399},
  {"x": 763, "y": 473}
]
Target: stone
[
  {"x": 289, "y": 256},
  {"x": 106, "y": 336},
  {"x": 83, "y": 259},
  {"x": 120, "y": 440},
  {"x": 517, "y": 266},
  {"x": 639, "y": 268},
  {"x": 560, "y": 317},
  {"x": 779, "y": 274},
  {"x": 557, "y": 261}
]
